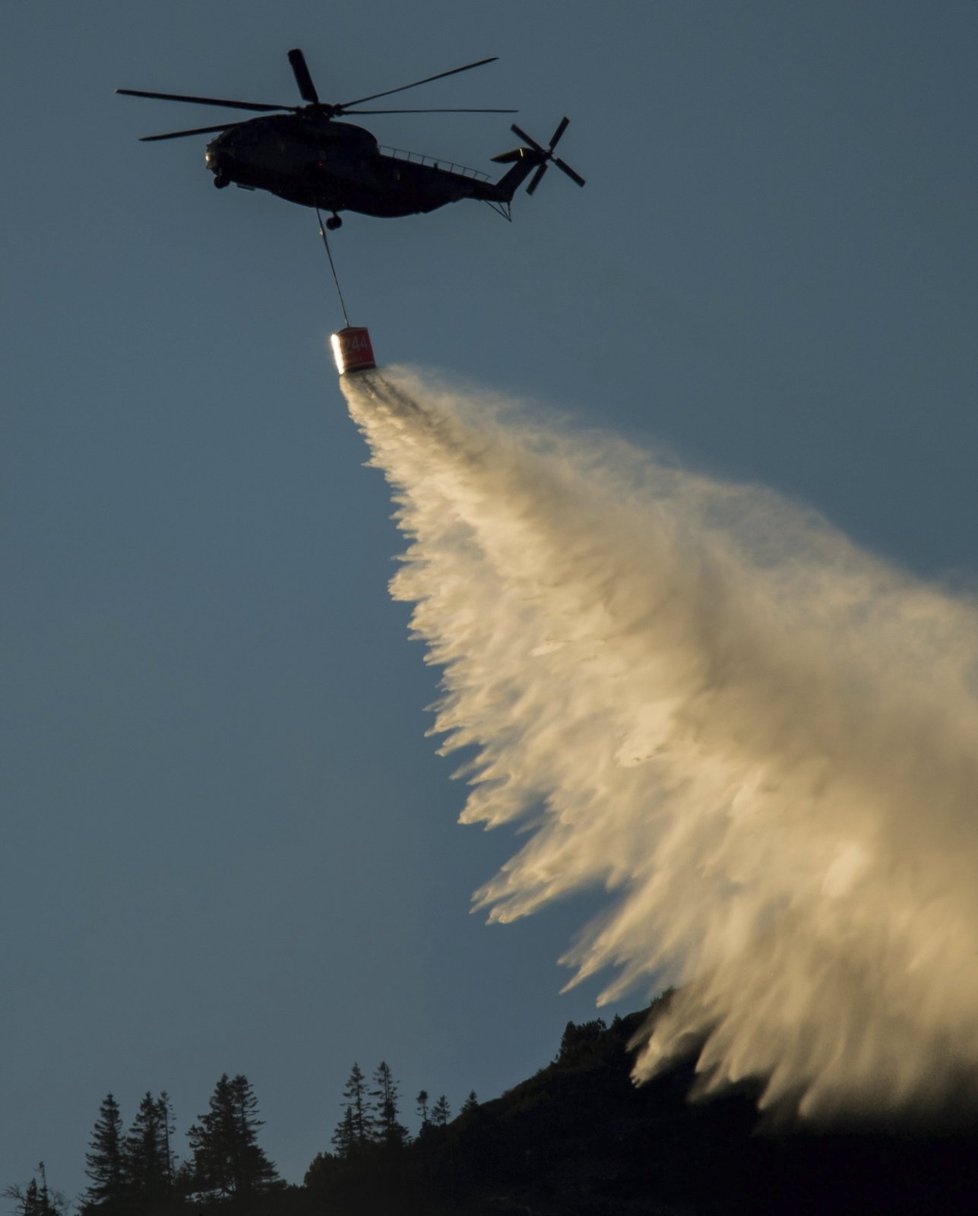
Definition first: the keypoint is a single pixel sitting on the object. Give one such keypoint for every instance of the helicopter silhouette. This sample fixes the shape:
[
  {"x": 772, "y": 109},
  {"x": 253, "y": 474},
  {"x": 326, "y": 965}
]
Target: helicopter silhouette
[{"x": 305, "y": 156}]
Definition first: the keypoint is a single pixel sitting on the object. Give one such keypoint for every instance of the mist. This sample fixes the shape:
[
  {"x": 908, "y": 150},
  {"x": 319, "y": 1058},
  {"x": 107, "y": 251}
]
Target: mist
[{"x": 761, "y": 741}]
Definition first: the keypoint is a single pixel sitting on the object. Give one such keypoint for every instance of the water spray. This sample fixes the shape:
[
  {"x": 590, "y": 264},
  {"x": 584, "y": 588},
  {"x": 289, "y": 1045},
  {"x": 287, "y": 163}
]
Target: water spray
[{"x": 761, "y": 741}]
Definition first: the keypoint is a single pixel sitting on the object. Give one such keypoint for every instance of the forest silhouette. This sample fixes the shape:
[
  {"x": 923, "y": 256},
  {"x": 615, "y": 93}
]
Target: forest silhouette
[{"x": 578, "y": 1138}]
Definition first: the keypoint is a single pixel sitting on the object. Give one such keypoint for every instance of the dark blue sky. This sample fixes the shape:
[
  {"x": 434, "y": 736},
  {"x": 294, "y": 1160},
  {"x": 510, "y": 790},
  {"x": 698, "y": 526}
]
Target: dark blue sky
[{"x": 229, "y": 846}]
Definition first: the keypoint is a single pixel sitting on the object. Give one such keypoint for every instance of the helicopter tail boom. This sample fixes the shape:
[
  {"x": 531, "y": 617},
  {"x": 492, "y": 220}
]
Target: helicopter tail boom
[{"x": 523, "y": 165}]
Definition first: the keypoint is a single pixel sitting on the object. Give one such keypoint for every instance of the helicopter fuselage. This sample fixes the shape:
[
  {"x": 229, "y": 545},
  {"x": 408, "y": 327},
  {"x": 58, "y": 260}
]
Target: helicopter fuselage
[
  {"x": 336, "y": 166},
  {"x": 303, "y": 155}
]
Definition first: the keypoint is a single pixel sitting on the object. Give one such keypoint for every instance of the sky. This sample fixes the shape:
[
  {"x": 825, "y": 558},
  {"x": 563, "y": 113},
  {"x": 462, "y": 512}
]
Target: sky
[{"x": 230, "y": 846}]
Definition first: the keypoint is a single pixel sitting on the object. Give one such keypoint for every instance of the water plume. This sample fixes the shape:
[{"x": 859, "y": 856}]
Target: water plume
[{"x": 760, "y": 740}]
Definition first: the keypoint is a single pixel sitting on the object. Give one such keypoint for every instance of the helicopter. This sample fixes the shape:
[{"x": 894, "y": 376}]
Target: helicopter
[{"x": 306, "y": 156}]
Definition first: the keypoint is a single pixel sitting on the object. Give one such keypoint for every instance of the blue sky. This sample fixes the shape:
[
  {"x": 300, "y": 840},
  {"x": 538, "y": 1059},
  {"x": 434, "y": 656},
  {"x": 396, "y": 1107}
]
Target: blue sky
[{"x": 229, "y": 845}]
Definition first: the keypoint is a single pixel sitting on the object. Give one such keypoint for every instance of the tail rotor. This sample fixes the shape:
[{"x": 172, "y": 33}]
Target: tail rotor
[{"x": 544, "y": 156}]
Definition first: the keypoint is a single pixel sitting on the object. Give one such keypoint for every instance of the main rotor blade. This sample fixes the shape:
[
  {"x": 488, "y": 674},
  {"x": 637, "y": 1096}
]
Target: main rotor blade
[
  {"x": 575, "y": 177},
  {"x": 206, "y": 101},
  {"x": 463, "y": 111},
  {"x": 307, "y": 90},
  {"x": 148, "y": 139},
  {"x": 414, "y": 84}
]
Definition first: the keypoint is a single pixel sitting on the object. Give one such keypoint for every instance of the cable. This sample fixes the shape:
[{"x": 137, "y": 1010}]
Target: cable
[{"x": 329, "y": 254}]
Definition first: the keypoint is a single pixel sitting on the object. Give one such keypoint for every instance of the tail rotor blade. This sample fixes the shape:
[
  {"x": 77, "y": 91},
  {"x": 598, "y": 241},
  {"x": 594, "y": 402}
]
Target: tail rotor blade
[
  {"x": 561, "y": 128},
  {"x": 564, "y": 167},
  {"x": 527, "y": 139},
  {"x": 541, "y": 156},
  {"x": 536, "y": 178},
  {"x": 307, "y": 90}
]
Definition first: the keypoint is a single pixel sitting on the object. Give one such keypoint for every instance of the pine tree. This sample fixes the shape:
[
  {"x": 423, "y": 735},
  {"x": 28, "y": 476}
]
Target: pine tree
[
  {"x": 355, "y": 1129},
  {"x": 146, "y": 1154},
  {"x": 209, "y": 1138},
  {"x": 344, "y": 1139},
  {"x": 470, "y": 1103},
  {"x": 35, "y": 1199},
  {"x": 31, "y": 1200},
  {"x": 104, "y": 1163},
  {"x": 387, "y": 1130},
  {"x": 255, "y": 1170},
  {"x": 440, "y": 1112},
  {"x": 168, "y": 1127},
  {"x": 422, "y": 1101},
  {"x": 228, "y": 1161}
]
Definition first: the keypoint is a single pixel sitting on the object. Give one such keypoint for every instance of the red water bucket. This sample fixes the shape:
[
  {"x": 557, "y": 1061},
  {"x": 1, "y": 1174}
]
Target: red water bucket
[{"x": 352, "y": 351}]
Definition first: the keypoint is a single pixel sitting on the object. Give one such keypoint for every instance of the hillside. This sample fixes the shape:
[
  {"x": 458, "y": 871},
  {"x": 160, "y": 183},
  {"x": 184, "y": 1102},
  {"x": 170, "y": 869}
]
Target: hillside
[{"x": 579, "y": 1139}]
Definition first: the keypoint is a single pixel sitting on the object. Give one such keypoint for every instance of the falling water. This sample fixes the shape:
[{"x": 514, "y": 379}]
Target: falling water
[{"x": 760, "y": 740}]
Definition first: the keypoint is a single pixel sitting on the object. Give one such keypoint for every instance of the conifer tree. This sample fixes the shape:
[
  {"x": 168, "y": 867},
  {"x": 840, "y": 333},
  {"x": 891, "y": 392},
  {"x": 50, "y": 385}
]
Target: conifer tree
[
  {"x": 470, "y": 1103},
  {"x": 168, "y": 1127},
  {"x": 35, "y": 1199},
  {"x": 344, "y": 1138},
  {"x": 422, "y": 1101},
  {"x": 355, "y": 1129},
  {"x": 227, "y": 1159},
  {"x": 440, "y": 1112},
  {"x": 146, "y": 1155},
  {"x": 387, "y": 1130},
  {"x": 104, "y": 1162}
]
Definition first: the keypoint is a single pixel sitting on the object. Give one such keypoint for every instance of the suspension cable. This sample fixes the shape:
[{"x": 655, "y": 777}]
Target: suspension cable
[{"x": 329, "y": 254}]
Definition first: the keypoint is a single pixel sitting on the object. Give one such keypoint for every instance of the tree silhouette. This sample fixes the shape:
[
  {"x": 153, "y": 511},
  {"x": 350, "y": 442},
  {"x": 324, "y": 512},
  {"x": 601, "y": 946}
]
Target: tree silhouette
[
  {"x": 386, "y": 1128},
  {"x": 104, "y": 1162},
  {"x": 146, "y": 1156},
  {"x": 578, "y": 1040},
  {"x": 355, "y": 1129},
  {"x": 168, "y": 1127},
  {"x": 35, "y": 1199},
  {"x": 344, "y": 1138},
  {"x": 227, "y": 1159}
]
